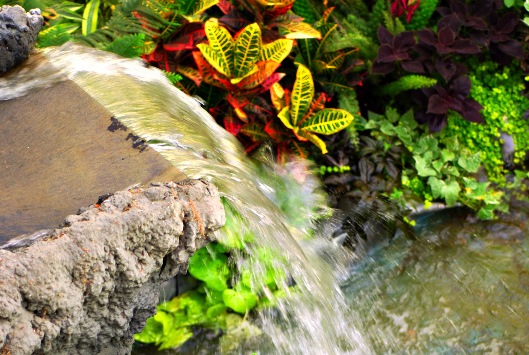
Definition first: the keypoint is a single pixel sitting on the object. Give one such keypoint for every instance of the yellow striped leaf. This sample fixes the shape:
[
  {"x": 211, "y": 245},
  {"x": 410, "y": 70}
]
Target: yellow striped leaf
[
  {"x": 247, "y": 49},
  {"x": 221, "y": 42},
  {"x": 277, "y": 94},
  {"x": 90, "y": 15},
  {"x": 302, "y": 94},
  {"x": 296, "y": 30},
  {"x": 190, "y": 73},
  {"x": 284, "y": 116},
  {"x": 264, "y": 71},
  {"x": 216, "y": 59},
  {"x": 314, "y": 139},
  {"x": 200, "y": 6},
  {"x": 277, "y": 50},
  {"x": 328, "y": 121},
  {"x": 255, "y": 131},
  {"x": 326, "y": 32},
  {"x": 253, "y": 69}
]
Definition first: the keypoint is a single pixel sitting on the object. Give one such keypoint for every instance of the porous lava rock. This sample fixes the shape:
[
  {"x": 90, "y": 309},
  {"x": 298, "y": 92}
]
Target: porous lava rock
[
  {"x": 18, "y": 34},
  {"x": 88, "y": 287}
]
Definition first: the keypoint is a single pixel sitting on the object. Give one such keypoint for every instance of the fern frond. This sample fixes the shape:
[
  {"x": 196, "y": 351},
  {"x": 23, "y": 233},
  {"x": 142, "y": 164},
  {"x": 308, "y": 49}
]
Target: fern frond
[
  {"x": 408, "y": 82},
  {"x": 129, "y": 46}
]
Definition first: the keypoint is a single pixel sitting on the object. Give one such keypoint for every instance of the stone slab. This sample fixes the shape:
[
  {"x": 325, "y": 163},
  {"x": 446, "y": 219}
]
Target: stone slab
[{"x": 59, "y": 151}]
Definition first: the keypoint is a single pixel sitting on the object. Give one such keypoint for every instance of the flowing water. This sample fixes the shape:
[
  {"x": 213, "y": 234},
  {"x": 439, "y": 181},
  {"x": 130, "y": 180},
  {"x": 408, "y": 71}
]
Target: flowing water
[
  {"x": 315, "y": 320},
  {"x": 461, "y": 288}
]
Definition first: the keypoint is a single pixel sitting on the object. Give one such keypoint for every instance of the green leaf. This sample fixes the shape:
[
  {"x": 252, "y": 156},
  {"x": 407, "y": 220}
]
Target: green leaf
[
  {"x": 422, "y": 168},
  {"x": 437, "y": 165},
  {"x": 240, "y": 301},
  {"x": 470, "y": 163},
  {"x": 211, "y": 268},
  {"x": 70, "y": 15},
  {"x": 508, "y": 3},
  {"x": 247, "y": 49},
  {"x": 436, "y": 186},
  {"x": 90, "y": 14},
  {"x": 392, "y": 115},
  {"x": 451, "y": 192},
  {"x": 407, "y": 120},
  {"x": 176, "y": 337},
  {"x": 152, "y": 333},
  {"x": 215, "y": 59},
  {"x": 452, "y": 170},
  {"x": 485, "y": 213},
  {"x": 328, "y": 121},
  {"x": 447, "y": 155},
  {"x": 302, "y": 94}
]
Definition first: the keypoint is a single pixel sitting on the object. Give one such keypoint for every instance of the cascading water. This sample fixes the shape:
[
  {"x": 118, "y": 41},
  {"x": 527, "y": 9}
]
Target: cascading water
[{"x": 315, "y": 320}]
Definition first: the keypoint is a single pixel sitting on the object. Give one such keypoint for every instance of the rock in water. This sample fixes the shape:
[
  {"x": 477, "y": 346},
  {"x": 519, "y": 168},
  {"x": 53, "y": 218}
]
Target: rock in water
[{"x": 18, "y": 33}]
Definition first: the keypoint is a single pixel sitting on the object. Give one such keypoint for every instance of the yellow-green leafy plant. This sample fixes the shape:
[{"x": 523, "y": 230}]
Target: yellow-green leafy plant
[
  {"x": 242, "y": 66},
  {"x": 304, "y": 114}
]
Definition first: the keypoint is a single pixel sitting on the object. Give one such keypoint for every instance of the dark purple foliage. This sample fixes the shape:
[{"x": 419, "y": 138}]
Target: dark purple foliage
[
  {"x": 440, "y": 101},
  {"x": 397, "y": 48}
]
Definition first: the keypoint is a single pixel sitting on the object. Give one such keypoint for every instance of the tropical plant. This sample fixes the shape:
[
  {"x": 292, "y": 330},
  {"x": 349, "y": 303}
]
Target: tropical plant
[
  {"x": 127, "y": 29},
  {"x": 303, "y": 114},
  {"x": 274, "y": 18},
  {"x": 242, "y": 67},
  {"x": 334, "y": 70}
]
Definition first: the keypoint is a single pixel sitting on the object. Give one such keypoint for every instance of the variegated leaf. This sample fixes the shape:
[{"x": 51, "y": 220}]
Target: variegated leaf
[
  {"x": 247, "y": 49},
  {"x": 190, "y": 73},
  {"x": 216, "y": 59},
  {"x": 90, "y": 16},
  {"x": 316, "y": 106},
  {"x": 284, "y": 116},
  {"x": 276, "y": 130},
  {"x": 299, "y": 149},
  {"x": 307, "y": 48},
  {"x": 255, "y": 131},
  {"x": 271, "y": 80},
  {"x": 220, "y": 41},
  {"x": 225, "y": 6},
  {"x": 186, "y": 85},
  {"x": 200, "y": 6},
  {"x": 314, "y": 139},
  {"x": 328, "y": 121},
  {"x": 277, "y": 50},
  {"x": 334, "y": 59},
  {"x": 238, "y": 103},
  {"x": 326, "y": 33},
  {"x": 296, "y": 30},
  {"x": 302, "y": 94},
  {"x": 264, "y": 70},
  {"x": 277, "y": 94},
  {"x": 205, "y": 69},
  {"x": 258, "y": 110}
]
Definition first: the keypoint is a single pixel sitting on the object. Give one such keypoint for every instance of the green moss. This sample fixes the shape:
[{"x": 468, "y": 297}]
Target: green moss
[{"x": 498, "y": 90}]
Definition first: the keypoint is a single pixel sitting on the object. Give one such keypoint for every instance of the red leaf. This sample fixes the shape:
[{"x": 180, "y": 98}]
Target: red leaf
[
  {"x": 235, "y": 20},
  {"x": 276, "y": 131},
  {"x": 232, "y": 125},
  {"x": 180, "y": 43},
  {"x": 225, "y": 6},
  {"x": 238, "y": 103}
]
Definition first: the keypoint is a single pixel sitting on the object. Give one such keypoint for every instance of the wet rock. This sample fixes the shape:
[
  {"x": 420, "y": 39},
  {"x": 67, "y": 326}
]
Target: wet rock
[
  {"x": 18, "y": 34},
  {"x": 88, "y": 287}
]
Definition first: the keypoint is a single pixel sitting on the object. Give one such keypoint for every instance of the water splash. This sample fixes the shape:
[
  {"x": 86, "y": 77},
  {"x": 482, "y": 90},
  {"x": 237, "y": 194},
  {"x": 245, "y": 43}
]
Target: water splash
[{"x": 315, "y": 320}]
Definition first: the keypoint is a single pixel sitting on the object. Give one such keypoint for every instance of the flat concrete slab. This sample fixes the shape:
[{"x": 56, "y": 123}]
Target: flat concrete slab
[{"x": 59, "y": 151}]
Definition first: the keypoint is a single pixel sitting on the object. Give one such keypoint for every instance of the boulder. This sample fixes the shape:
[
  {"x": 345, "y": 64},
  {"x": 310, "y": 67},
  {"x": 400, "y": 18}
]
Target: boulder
[
  {"x": 18, "y": 34},
  {"x": 88, "y": 287}
]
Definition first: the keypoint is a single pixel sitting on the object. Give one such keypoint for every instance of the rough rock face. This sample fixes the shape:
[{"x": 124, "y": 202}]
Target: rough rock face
[
  {"x": 88, "y": 287},
  {"x": 18, "y": 33}
]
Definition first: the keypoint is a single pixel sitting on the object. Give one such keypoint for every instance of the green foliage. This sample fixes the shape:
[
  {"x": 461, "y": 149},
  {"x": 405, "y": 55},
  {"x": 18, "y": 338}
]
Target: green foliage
[
  {"x": 408, "y": 82},
  {"x": 499, "y": 90},
  {"x": 173, "y": 77},
  {"x": 440, "y": 168},
  {"x": 129, "y": 46},
  {"x": 303, "y": 9},
  {"x": 422, "y": 15}
]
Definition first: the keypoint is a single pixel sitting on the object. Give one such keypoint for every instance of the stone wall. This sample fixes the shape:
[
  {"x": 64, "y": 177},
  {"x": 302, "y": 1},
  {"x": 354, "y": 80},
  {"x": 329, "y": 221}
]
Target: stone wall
[{"x": 88, "y": 287}]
